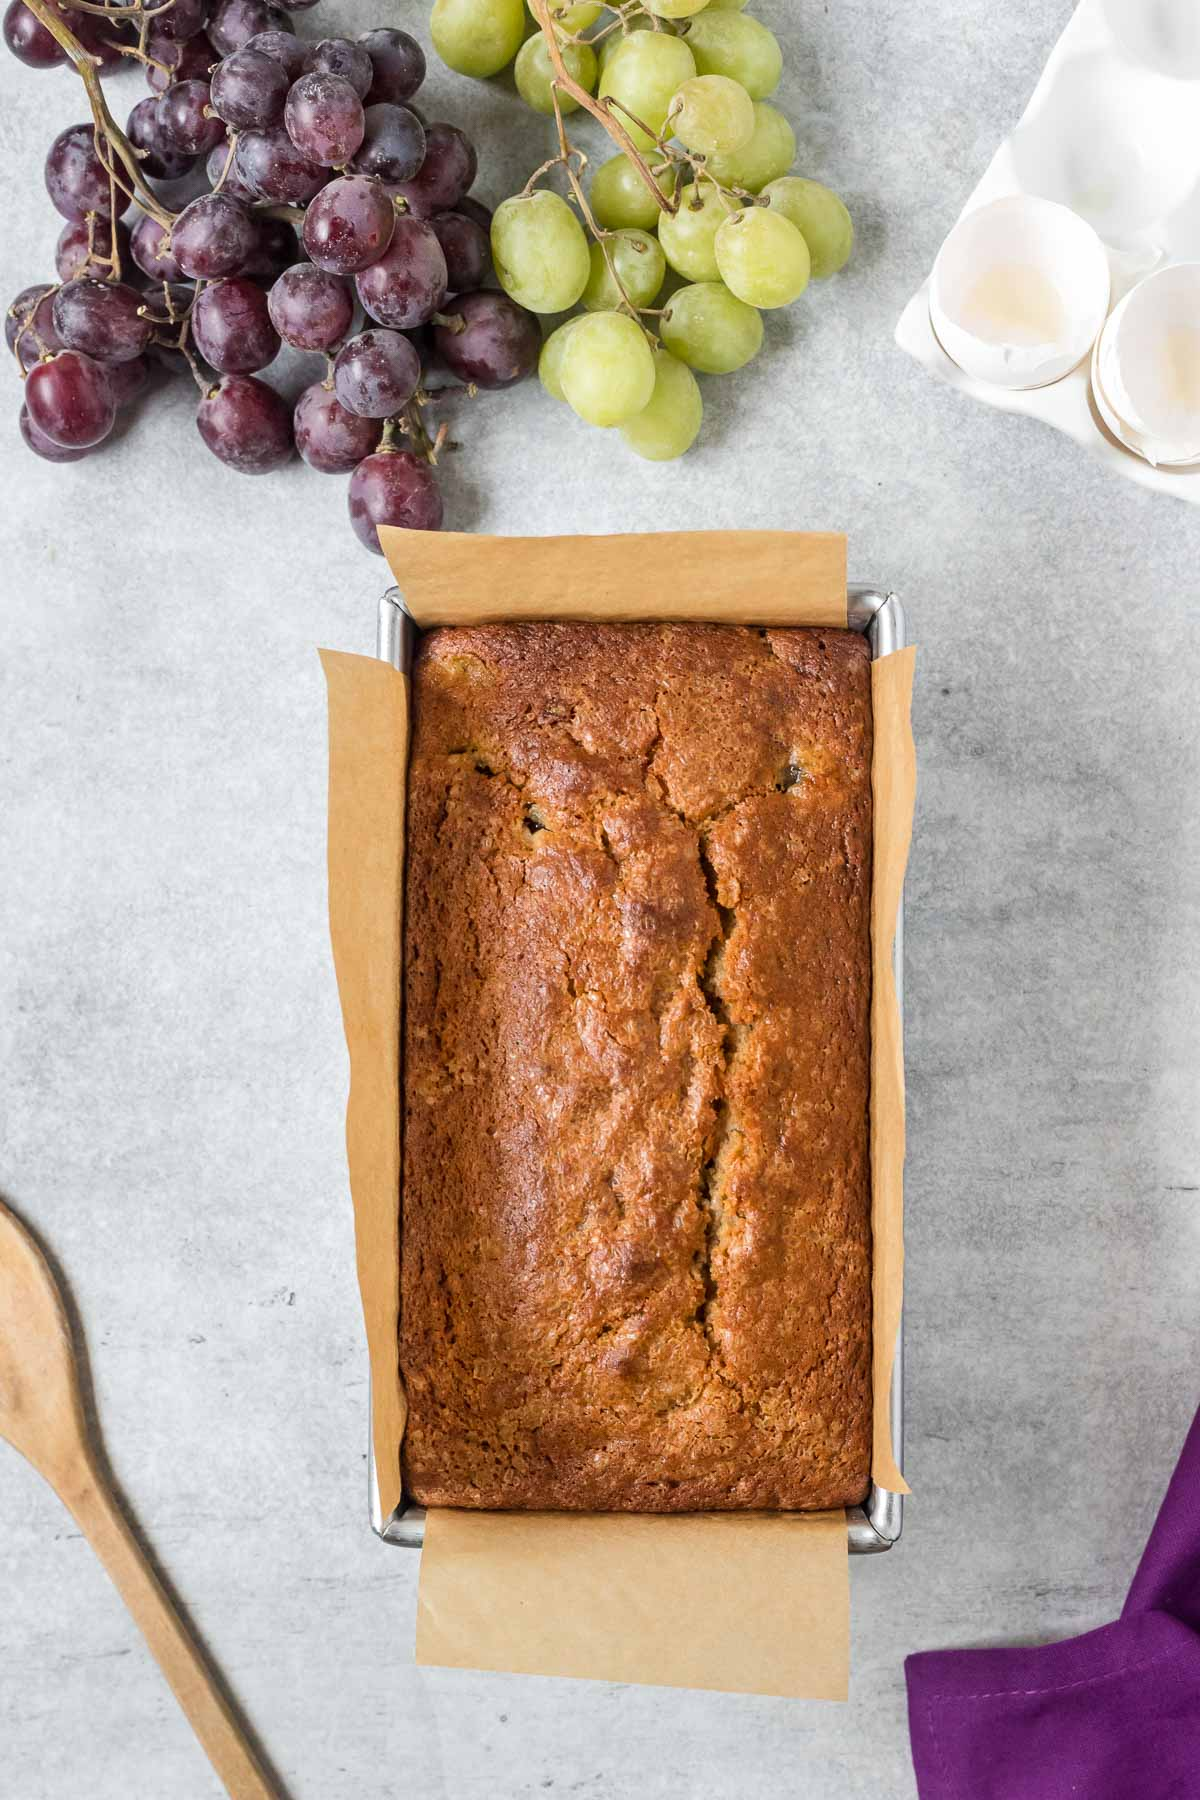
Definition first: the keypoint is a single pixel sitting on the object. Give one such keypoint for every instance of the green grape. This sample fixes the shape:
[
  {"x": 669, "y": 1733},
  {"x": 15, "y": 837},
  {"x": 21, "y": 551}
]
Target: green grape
[
  {"x": 540, "y": 251},
  {"x": 571, "y": 19},
  {"x": 820, "y": 218},
  {"x": 620, "y": 198},
  {"x": 550, "y": 361},
  {"x": 675, "y": 9},
  {"x": 769, "y": 154},
  {"x": 711, "y": 114},
  {"x": 706, "y": 327},
  {"x": 725, "y": 5},
  {"x": 535, "y": 74},
  {"x": 640, "y": 265},
  {"x": 763, "y": 259},
  {"x": 477, "y": 37},
  {"x": 607, "y": 370},
  {"x": 688, "y": 236},
  {"x": 615, "y": 39},
  {"x": 728, "y": 43},
  {"x": 643, "y": 73},
  {"x": 669, "y": 422}
]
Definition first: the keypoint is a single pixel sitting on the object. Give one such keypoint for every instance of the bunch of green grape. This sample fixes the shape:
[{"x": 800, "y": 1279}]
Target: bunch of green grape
[{"x": 666, "y": 290}]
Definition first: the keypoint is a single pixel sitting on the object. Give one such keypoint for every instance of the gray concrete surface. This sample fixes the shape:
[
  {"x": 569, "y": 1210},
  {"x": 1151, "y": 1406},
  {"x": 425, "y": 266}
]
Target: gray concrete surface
[{"x": 173, "y": 1070}]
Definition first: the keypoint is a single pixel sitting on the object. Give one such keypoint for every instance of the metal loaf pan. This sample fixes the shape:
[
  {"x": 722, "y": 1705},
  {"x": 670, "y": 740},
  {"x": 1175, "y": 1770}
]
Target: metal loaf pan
[{"x": 876, "y": 1525}]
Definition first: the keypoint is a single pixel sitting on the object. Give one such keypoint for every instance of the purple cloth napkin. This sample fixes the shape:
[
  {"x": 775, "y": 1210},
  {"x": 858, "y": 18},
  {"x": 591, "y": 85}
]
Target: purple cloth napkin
[{"x": 1112, "y": 1715}]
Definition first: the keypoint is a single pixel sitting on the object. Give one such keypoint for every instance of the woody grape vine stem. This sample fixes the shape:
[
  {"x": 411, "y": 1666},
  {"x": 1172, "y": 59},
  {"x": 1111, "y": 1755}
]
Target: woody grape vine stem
[
  {"x": 110, "y": 139},
  {"x": 598, "y": 108}
]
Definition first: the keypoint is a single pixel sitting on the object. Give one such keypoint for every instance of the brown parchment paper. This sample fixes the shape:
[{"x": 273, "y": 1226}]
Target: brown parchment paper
[
  {"x": 611, "y": 1597},
  {"x": 893, "y": 788},
  {"x": 368, "y": 772},
  {"x": 749, "y": 1604},
  {"x": 766, "y": 577}
]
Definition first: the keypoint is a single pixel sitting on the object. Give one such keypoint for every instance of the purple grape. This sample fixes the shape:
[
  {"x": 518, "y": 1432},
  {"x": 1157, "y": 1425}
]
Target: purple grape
[
  {"x": 276, "y": 249},
  {"x": 221, "y": 169},
  {"x": 340, "y": 56},
  {"x": 70, "y": 400},
  {"x": 232, "y": 328},
  {"x": 283, "y": 47},
  {"x": 310, "y": 308},
  {"x": 76, "y": 180},
  {"x": 29, "y": 40},
  {"x": 181, "y": 21},
  {"x": 127, "y": 379},
  {"x": 247, "y": 424},
  {"x": 393, "y": 143},
  {"x": 393, "y": 487},
  {"x": 236, "y": 21},
  {"x": 46, "y": 447},
  {"x": 29, "y": 319},
  {"x": 185, "y": 119},
  {"x": 272, "y": 167},
  {"x": 327, "y": 436},
  {"x": 150, "y": 247},
  {"x": 144, "y": 129},
  {"x": 498, "y": 344},
  {"x": 74, "y": 256},
  {"x": 466, "y": 247},
  {"x": 398, "y": 62},
  {"x": 407, "y": 284},
  {"x": 185, "y": 62},
  {"x": 249, "y": 89},
  {"x": 297, "y": 5},
  {"x": 449, "y": 169},
  {"x": 213, "y": 236},
  {"x": 324, "y": 119},
  {"x": 349, "y": 225},
  {"x": 103, "y": 319},
  {"x": 376, "y": 374},
  {"x": 470, "y": 208}
]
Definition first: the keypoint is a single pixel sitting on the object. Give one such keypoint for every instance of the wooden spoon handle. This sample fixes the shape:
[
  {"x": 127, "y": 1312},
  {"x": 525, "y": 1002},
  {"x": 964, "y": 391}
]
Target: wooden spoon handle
[{"x": 193, "y": 1684}]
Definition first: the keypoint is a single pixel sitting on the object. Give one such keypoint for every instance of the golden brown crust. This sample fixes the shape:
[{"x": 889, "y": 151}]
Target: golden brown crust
[{"x": 636, "y": 1220}]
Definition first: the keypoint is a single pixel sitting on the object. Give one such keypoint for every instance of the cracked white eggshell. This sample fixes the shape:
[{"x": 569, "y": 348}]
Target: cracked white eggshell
[
  {"x": 1161, "y": 34},
  {"x": 1117, "y": 143},
  {"x": 1037, "y": 240},
  {"x": 1146, "y": 371},
  {"x": 1103, "y": 406}
]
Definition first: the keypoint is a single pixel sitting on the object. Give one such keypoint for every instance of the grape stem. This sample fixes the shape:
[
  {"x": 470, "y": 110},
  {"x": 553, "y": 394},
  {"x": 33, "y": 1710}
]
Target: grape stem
[
  {"x": 624, "y": 11},
  {"x": 141, "y": 55},
  {"x": 219, "y": 183},
  {"x": 599, "y": 109},
  {"x": 568, "y": 156},
  {"x": 108, "y": 132},
  {"x": 135, "y": 9}
]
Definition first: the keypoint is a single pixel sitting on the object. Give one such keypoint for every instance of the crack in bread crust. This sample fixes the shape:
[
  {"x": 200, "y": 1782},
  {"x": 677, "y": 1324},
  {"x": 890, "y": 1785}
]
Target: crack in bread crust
[{"x": 636, "y": 1244}]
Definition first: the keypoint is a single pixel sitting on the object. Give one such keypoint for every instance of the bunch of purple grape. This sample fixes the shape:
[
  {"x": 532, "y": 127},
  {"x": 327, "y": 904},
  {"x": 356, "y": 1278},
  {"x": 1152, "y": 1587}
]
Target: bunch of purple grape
[{"x": 329, "y": 197}]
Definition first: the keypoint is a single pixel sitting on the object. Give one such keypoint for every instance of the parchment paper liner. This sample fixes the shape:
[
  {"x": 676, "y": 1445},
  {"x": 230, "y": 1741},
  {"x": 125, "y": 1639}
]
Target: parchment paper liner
[{"x": 747, "y": 1603}]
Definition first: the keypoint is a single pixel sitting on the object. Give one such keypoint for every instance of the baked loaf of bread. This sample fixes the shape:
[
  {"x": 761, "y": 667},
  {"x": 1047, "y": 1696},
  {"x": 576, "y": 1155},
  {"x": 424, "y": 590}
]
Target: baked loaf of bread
[{"x": 635, "y": 1246}]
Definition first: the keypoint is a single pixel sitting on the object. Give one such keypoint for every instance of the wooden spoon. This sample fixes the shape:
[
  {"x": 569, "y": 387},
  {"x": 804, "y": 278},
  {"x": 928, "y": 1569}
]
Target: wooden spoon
[{"x": 42, "y": 1416}]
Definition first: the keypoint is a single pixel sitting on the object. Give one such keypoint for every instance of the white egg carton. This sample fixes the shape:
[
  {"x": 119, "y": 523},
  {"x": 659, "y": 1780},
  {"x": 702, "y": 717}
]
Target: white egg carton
[{"x": 1112, "y": 130}]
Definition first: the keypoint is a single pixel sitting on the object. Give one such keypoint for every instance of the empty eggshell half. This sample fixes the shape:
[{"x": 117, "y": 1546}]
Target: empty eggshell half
[
  {"x": 1118, "y": 144},
  {"x": 1104, "y": 408},
  {"x": 1019, "y": 292},
  {"x": 1161, "y": 34},
  {"x": 1146, "y": 371}
]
